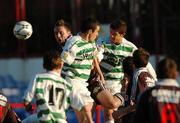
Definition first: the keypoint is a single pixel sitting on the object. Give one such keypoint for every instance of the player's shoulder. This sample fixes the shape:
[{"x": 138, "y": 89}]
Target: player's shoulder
[
  {"x": 40, "y": 75},
  {"x": 47, "y": 76},
  {"x": 71, "y": 42},
  {"x": 53, "y": 77},
  {"x": 75, "y": 38},
  {"x": 128, "y": 43}
]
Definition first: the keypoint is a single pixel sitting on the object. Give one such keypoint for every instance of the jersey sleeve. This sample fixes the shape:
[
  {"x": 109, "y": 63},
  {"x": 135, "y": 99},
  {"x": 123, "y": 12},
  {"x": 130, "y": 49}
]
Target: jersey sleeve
[
  {"x": 29, "y": 94},
  {"x": 100, "y": 52},
  {"x": 145, "y": 81},
  {"x": 151, "y": 71},
  {"x": 100, "y": 47},
  {"x": 76, "y": 100},
  {"x": 69, "y": 52}
]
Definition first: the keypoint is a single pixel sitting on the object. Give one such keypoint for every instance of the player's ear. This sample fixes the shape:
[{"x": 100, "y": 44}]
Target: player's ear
[
  {"x": 61, "y": 65},
  {"x": 90, "y": 31},
  {"x": 123, "y": 34}
]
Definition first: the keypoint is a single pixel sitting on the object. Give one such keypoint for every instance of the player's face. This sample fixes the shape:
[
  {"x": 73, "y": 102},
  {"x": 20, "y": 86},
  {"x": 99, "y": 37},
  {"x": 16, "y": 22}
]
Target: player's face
[
  {"x": 115, "y": 36},
  {"x": 61, "y": 34},
  {"x": 94, "y": 35}
]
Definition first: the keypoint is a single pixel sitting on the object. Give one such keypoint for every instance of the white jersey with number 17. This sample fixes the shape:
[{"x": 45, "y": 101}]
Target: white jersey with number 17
[{"x": 53, "y": 97}]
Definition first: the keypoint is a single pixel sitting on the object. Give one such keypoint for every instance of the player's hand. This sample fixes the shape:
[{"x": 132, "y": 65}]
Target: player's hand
[{"x": 132, "y": 102}]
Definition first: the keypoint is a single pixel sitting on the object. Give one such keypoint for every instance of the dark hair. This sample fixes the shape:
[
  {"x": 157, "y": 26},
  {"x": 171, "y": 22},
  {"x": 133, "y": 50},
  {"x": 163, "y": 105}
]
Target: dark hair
[
  {"x": 167, "y": 68},
  {"x": 141, "y": 57},
  {"x": 128, "y": 65},
  {"x": 61, "y": 22},
  {"x": 119, "y": 25},
  {"x": 88, "y": 24},
  {"x": 51, "y": 60}
]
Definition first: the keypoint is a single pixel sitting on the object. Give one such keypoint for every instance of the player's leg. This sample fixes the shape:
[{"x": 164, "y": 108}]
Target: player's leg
[
  {"x": 114, "y": 88},
  {"x": 109, "y": 101},
  {"x": 102, "y": 96},
  {"x": 108, "y": 115},
  {"x": 80, "y": 116},
  {"x": 93, "y": 110},
  {"x": 84, "y": 116},
  {"x": 88, "y": 113}
]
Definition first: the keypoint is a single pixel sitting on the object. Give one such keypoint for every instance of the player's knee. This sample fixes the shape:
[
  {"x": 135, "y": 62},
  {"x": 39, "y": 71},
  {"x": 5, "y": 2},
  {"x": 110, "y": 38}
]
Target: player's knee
[
  {"x": 108, "y": 114},
  {"x": 88, "y": 108},
  {"x": 115, "y": 104}
]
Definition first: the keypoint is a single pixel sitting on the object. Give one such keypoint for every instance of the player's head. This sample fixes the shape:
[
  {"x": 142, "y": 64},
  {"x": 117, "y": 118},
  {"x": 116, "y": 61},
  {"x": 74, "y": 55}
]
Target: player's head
[
  {"x": 118, "y": 29},
  {"x": 52, "y": 60},
  {"x": 128, "y": 65},
  {"x": 91, "y": 28},
  {"x": 167, "y": 68},
  {"x": 62, "y": 30},
  {"x": 141, "y": 57}
]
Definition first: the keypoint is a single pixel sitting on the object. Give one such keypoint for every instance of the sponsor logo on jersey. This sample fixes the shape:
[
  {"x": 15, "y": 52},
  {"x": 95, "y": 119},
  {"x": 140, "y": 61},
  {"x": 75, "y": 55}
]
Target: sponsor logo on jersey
[{"x": 164, "y": 95}]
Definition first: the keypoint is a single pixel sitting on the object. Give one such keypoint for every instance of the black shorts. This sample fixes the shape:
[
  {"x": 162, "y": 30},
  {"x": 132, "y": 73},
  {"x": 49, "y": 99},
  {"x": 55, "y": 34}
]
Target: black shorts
[{"x": 95, "y": 86}]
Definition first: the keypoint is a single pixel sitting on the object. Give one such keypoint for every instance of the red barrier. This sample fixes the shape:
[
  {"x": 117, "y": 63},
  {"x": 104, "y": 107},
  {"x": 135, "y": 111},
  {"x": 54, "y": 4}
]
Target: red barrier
[
  {"x": 98, "y": 113},
  {"x": 20, "y": 105}
]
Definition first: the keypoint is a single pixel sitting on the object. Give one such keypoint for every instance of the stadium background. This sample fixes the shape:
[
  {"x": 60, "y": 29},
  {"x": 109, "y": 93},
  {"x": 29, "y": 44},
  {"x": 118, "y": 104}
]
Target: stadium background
[{"x": 154, "y": 25}]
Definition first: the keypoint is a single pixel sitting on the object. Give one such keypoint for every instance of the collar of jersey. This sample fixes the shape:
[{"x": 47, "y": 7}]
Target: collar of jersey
[
  {"x": 168, "y": 82},
  {"x": 53, "y": 72}
]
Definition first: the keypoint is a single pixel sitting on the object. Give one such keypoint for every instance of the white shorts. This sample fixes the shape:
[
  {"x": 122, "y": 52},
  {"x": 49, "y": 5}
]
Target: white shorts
[
  {"x": 113, "y": 86},
  {"x": 81, "y": 86}
]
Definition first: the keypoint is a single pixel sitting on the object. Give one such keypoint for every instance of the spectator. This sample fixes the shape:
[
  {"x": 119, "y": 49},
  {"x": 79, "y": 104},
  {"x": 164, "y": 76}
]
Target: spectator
[
  {"x": 7, "y": 114},
  {"x": 161, "y": 104}
]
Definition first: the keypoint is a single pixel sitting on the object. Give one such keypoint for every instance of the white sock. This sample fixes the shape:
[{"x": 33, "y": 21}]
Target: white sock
[{"x": 110, "y": 121}]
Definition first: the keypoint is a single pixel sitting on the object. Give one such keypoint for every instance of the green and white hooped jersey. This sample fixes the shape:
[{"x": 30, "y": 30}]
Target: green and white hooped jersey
[
  {"x": 113, "y": 55},
  {"x": 53, "y": 97},
  {"x": 78, "y": 59}
]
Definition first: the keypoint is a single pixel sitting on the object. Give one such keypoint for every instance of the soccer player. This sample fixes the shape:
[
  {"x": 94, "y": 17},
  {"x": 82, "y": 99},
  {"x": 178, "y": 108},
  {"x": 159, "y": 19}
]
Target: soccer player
[
  {"x": 7, "y": 115},
  {"x": 161, "y": 103},
  {"x": 79, "y": 58},
  {"x": 62, "y": 32},
  {"x": 114, "y": 49},
  {"x": 52, "y": 93},
  {"x": 142, "y": 79},
  {"x": 128, "y": 68}
]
